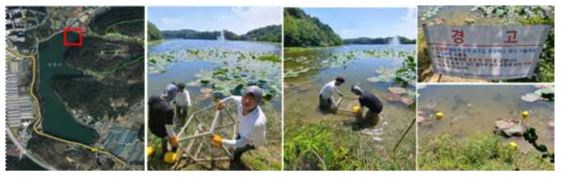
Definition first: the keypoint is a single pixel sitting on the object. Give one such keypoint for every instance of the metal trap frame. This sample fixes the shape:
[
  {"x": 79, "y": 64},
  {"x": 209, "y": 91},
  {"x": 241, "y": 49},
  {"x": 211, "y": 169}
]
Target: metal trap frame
[{"x": 195, "y": 136}]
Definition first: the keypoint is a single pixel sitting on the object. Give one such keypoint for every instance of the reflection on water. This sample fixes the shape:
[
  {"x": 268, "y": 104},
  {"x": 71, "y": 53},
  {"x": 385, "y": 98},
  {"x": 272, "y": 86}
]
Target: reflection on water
[{"x": 472, "y": 109}]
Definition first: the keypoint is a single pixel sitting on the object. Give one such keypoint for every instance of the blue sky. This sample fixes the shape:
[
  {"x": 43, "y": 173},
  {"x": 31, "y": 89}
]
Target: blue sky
[
  {"x": 237, "y": 19},
  {"x": 368, "y": 22}
]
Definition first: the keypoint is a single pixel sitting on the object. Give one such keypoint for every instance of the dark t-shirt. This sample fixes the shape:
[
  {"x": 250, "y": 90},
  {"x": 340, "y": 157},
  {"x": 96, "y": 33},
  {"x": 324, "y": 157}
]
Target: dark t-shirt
[
  {"x": 370, "y": 101},
  {"x": 160, "y": 114}
]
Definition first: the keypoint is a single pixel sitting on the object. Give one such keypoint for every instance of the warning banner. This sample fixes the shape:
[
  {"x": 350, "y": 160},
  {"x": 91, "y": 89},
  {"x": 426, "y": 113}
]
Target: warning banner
[{"x": 486, "y": 52}]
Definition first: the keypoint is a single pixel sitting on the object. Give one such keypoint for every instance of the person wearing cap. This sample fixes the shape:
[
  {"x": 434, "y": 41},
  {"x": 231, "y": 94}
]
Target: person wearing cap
[
  {"x": 161, "y": 115},
  {"x": 251, "y": 123},
  {"x": 326, "y": 101},
  {"x": 370, "y": 101},
  {"x": 182, "y": 101}
]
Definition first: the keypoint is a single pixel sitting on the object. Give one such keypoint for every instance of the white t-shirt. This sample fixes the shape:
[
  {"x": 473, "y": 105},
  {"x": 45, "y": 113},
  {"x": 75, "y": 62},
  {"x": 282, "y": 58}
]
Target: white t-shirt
[
  {"x": 328, "y": 90},
  {"x": 183, "y": 99},
  {"x": 251, "y": 127}
]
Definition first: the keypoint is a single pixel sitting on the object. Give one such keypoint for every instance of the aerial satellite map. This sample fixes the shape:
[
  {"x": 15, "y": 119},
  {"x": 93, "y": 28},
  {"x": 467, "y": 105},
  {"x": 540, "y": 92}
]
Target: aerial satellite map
[{"x": 75, "y": 88}]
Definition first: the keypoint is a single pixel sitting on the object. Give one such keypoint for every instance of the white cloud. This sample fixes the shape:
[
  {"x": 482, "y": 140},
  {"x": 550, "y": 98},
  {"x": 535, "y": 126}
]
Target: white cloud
[
  {"x": 271, "y": 15},
  {"x": 237, "y": 19},
  {"x": 248, "y": 18}
]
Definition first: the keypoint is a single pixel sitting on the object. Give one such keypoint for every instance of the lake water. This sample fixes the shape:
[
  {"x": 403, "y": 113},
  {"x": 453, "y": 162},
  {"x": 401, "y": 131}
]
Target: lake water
[
  {"x": 319, "y": 66},
  {"x": 470, "y": 109},
  {"x": 186, "y": 69},
  {"x": 57, "y": 120}
]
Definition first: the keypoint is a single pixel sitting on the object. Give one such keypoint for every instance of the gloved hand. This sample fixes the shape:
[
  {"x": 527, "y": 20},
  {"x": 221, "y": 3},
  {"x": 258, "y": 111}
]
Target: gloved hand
[
  {"x": 219, "y": 106},
  {"x": 174, "y": 141},
  {"x": 216, "y": 139}
]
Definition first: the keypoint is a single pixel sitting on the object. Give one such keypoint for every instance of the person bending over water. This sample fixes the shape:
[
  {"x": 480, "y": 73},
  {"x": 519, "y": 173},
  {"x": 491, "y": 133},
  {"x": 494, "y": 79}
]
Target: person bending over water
[
  {"x": 370, "y": 101},
  {"x": 326, "y": 101}
]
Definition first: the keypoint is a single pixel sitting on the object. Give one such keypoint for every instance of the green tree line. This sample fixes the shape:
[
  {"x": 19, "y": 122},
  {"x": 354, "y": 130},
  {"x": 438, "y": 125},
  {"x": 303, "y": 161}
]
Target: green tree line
[
  {"x": 271, "y": 33},
  {"x": 378, "y": 40},
  {"x": 303, "y": 30}
]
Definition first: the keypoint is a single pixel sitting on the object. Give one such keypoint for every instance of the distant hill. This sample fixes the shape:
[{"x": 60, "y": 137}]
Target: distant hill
[
  {"x": 270, "y": 33},
  {"x": 193, "y": 34},
  {"x": 382, "y": 40},
  {"x": 303, "y": 30},
  {"x": 153, "y": 32}
]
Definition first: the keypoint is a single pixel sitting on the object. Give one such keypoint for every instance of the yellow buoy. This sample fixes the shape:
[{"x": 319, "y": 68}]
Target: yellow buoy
[
  {"x": 150, "y": 151},
  {"x": 356, "y": 109},
  {"x": 513, "y": 145},
  {"x": 170, "y": 157},
  {"x": 439, "y": 115},
  {"x": 94, "y": 150},
  {"x": 525, "y": 115}
]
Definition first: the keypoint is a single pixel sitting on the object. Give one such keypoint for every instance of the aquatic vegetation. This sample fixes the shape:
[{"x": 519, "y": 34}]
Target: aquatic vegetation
[
  {"x": 159, "y": 61},
  {"x": 235, "y": 70},
  {"x": 543, "y": 93},
  {"x": 343, "y": 59},
  {"x": 334, "y": 142},
  {"x": 272, "y": 58},
  {"x": 384, "y": 75},
  {"x": 511, "y": 11},
  {"x": 296, "y": 72},
  {"x": 404, "y": 77},
  {"x": 531, "y": 97},
  {"x": 397, "y": 90},
  {"x": 431, "y": 13},
  {"x": 531, "y": 136},
  {"x": 232, "y": 81},
  {"x": 406, "y": 74},
  {"x": 400, "y": 94},
  {"x": 320, "y": 147},
  {"x": 477, "y": 152}
]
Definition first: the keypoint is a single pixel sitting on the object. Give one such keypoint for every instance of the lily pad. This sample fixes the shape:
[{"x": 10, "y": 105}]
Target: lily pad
[
  {"x": 542, "y": 91},
  {"x": 392, "y": 97},
  {"x": 420, "y": 118},
  {"x": 530, "y": 97},
  {"x": 406, "y": 100},
  {"x": 206, "y": 90},
  {"x": 397, "y": 90},
  {"x": 374, "y": 79},
  {"x": 193, "y": 83},
  {"x": 203, "y": 97}
]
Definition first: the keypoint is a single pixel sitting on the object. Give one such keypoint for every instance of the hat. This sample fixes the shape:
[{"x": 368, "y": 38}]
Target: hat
[
  {"x": 170, "y": 92},
  {"x": 255, "y": 91},
  {"x": 356, "y": 89}
]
